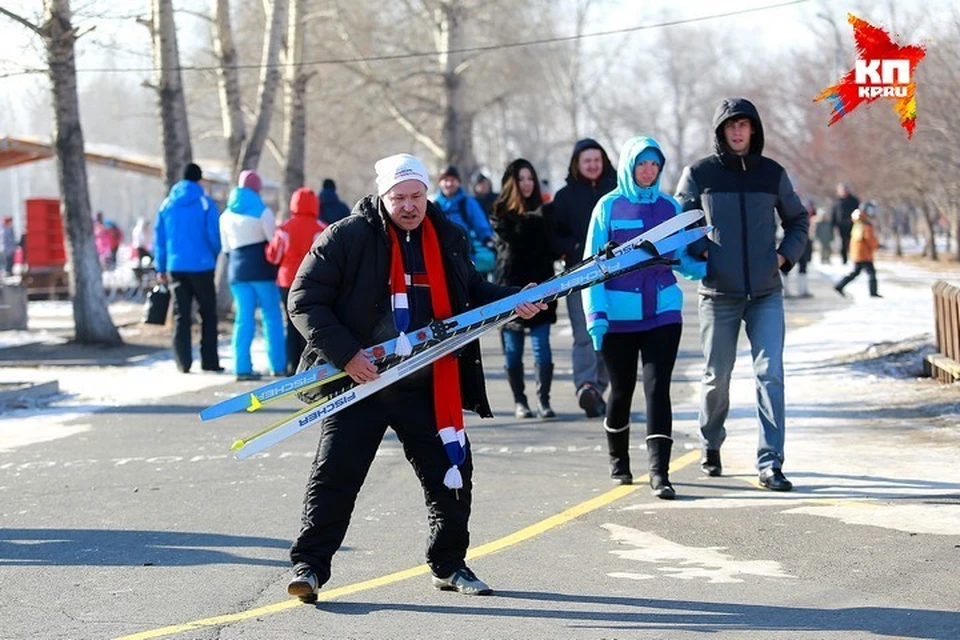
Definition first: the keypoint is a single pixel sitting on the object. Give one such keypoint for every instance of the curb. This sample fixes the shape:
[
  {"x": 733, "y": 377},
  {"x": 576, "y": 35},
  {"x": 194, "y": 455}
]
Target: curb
[{"x": 21, "y": 390}]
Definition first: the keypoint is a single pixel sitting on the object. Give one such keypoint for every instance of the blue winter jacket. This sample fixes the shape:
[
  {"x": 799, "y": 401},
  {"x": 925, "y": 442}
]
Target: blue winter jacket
[
  {"x": 466, "y": 212},
  {"x": 187, "y": 235},
  {"x": 644, "y": 299}
]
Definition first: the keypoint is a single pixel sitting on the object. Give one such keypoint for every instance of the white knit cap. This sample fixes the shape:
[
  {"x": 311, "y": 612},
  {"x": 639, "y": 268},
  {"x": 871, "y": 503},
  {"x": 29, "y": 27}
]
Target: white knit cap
[{"x": 393, "y": 170}]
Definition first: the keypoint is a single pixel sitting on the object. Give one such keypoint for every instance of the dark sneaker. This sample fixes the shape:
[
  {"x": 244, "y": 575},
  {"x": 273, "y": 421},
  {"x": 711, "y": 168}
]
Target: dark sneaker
[
  {"x": 774, "y": 480},
  {"x": 217, "y": 369},
  {"x": 465, "y": 581},
  {"x": 591, "y": 401},
  {"x": 248, "y": 377},
  {"x": 839, "y": 290},
  {"x": 304, "y": 586},
  {"x": 710, "y": 463}
]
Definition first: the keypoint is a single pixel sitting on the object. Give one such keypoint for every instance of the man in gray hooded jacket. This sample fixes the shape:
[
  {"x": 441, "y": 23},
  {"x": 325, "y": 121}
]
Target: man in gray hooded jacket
[{"x": 743, "y": 193}]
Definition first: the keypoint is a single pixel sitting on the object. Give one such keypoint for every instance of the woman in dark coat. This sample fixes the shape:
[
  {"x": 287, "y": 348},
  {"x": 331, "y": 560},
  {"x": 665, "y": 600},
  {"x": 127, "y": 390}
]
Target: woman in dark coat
[{"x": 524, "y": 255}]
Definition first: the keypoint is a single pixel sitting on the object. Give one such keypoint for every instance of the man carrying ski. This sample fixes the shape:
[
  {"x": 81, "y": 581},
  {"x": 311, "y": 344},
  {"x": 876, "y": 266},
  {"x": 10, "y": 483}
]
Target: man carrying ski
[{"x": 392, "y": 267}]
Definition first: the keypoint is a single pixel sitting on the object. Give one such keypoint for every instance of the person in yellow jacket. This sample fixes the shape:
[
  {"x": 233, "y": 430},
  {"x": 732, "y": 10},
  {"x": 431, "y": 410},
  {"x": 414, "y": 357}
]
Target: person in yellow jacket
[{"x": 863, "y": 242}]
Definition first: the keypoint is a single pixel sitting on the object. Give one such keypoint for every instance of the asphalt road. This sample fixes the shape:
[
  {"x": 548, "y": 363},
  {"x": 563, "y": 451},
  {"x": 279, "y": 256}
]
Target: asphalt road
[{"x": 140, "y": 525}]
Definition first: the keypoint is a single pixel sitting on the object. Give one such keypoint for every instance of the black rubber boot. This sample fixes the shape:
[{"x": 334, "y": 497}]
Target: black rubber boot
[
  {"x": 618, "y": 445},
  {"x": 544, "y": 377},
  {"x": 658, "y": 448},
  {"x": 515, "y": 378}
]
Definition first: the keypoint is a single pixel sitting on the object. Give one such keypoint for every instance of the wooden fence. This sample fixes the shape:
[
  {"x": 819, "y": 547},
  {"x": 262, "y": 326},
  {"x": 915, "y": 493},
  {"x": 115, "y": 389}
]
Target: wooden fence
[{"x": 945, "y": 364}]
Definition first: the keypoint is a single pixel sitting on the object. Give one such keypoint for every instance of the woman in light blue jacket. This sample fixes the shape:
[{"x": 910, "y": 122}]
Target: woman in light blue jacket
[
  {"x": 638, "y": 316},
  {"x": 246, "y": 226}
]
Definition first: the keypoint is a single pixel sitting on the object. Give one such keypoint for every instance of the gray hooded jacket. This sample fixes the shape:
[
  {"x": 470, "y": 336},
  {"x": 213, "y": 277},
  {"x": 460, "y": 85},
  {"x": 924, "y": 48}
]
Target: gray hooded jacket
[{"x": 743, "y": 196}]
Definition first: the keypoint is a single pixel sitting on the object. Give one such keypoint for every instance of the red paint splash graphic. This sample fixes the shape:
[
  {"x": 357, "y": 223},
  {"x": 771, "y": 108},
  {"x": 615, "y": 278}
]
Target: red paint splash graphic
[{"x": 873, "y": 43}]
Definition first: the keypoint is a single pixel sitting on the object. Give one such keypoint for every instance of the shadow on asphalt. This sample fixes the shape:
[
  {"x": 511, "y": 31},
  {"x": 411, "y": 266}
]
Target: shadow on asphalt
[
  {"x": 685, "y": 615},
  {"x": 110, "y": 547}
]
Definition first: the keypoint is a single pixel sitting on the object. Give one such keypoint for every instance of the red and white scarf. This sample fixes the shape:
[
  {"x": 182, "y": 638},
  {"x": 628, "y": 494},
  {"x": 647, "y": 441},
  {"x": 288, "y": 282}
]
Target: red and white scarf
[{"x": 447, "y": 401}]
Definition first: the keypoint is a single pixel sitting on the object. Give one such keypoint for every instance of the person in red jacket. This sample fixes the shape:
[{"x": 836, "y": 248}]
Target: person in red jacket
[{"x": 296, "y": 236}]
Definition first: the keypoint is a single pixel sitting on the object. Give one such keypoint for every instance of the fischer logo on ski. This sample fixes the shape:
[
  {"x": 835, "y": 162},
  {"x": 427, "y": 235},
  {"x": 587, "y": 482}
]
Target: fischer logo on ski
[{"x": 320, "y": 412}]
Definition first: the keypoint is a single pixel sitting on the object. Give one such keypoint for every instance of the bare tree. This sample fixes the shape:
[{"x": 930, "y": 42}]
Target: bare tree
[
  {"x": 228, "y": 83},
  {"x": 269, "y": 82},
  {"x": 295, "y": 105},
  {"x": 92, "y": 321},
  {"x": 175, "y": 130},
  {"x": 431, "y": 96}
]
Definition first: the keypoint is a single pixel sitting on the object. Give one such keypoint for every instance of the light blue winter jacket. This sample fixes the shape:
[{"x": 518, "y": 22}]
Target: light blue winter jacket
[{"x": 644, "y": 299}]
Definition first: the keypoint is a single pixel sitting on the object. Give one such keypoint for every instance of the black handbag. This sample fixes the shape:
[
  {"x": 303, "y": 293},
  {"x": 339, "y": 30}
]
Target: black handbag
[{"x": 155, "y": 308}]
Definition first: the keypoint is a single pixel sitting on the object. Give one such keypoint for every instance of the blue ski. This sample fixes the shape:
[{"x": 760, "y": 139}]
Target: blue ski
[
  {"x": 424, "y": 337},
  {"x": 494, "y": 314}
]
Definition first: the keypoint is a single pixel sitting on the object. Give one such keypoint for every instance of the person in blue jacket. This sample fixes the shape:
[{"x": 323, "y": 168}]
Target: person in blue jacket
[
  {"x": 187, "y": 243},
  {"x": 464, "y": 211},
  {"x": 246, "y": 227},
  {"x": 638, "y": 316}
]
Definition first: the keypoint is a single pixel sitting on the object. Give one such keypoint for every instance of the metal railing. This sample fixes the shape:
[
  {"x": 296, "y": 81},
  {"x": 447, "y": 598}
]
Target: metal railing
[{"x": 945, "y": 364}]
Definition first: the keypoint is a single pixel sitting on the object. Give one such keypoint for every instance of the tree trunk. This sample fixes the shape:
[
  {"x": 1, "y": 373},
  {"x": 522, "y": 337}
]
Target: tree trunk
[
  {"x": 228, "y": 82},
  {"x": 91, "y": 317},
  {"x": 930, "y": 220},
  {"x": 457, "y": 121},
  {"x": 269, "y": 81},
  {"x": 295, "y": 107},
  {"x": 175, "y": 130},
  {"x": 956, "y": 230}
]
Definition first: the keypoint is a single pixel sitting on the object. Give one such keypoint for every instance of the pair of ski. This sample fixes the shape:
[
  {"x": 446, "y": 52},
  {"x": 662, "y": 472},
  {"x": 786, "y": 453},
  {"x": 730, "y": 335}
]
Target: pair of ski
[{"x": 447, "y": 336}]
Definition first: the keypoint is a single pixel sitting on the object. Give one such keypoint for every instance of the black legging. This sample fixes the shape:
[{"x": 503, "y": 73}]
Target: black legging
[
  {"x": 657, "y": 348},
  {"x": 295, "y": 343}
]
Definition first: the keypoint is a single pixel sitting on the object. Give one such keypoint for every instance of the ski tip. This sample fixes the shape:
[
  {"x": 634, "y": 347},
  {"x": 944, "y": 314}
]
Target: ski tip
[
  {"x": 254, "y": 403},
  {"x": 236, "y": 446}
]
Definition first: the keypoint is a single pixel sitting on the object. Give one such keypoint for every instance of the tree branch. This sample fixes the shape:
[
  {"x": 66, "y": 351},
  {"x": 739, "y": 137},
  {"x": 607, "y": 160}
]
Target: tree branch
[
  {"x": 196, "y": 14},
  {"x": 23, "y": 21}
]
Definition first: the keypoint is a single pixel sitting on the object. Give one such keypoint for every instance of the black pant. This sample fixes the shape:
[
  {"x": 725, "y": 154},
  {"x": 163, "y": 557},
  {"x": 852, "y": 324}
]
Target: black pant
[
  {"x": 857, "y": 268},
  {"x": 657, "y": 349},
  {"x": 348, "y": 444},
  {"x": 187, "y": 286},
  {"x": 295, "y": 342},
  {"x": 844, "y": 242}
]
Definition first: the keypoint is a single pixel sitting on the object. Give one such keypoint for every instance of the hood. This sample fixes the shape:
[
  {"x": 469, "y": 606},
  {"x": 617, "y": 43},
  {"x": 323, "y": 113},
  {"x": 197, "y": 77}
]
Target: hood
[
  {"x": 737, "y": 107},
  {"x": 580, "y": 147},
  {"x": 304, "y": 202},
  {"x": 626, "y": 185},
  {"x": 446, "y": 202},
  {"x": 185, "y": 192},
  {"x": 328, "y": 195},
  {"x": 246, "y": 202}
]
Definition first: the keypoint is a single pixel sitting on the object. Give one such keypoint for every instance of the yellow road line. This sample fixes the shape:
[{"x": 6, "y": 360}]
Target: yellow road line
[{"x": 486, "y": 549}]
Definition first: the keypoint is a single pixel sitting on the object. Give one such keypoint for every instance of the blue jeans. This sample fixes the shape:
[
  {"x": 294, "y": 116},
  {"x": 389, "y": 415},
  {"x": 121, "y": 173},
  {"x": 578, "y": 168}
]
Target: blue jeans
[
  {"x": 248, "y": 296},
  {"x": 539, "y": 338},
  {"x": 720, "y": 320}
]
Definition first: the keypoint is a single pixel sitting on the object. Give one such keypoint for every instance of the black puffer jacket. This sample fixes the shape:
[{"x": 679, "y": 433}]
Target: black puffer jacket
[
  {"x": 743, "y": 197},
  {"x": 568, "y": 214},
  {"x": 523, "y": 256},
  {"x": 340, "y": 298}
]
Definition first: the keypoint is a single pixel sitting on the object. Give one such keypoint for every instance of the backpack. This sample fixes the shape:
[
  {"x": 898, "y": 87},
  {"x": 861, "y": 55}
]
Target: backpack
[
  {"x": 277, "y": 247},
  {"x": 484, "y": 258}
]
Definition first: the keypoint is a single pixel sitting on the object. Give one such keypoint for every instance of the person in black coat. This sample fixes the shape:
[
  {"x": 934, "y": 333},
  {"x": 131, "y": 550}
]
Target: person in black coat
[
  {"x": 332, "y": 208},
  {"x": 842, "y": 214},
  {"x": 591, "y": 176},
  {"x": 390, "y": 267},
  {"x": 524, "y": 254}
]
